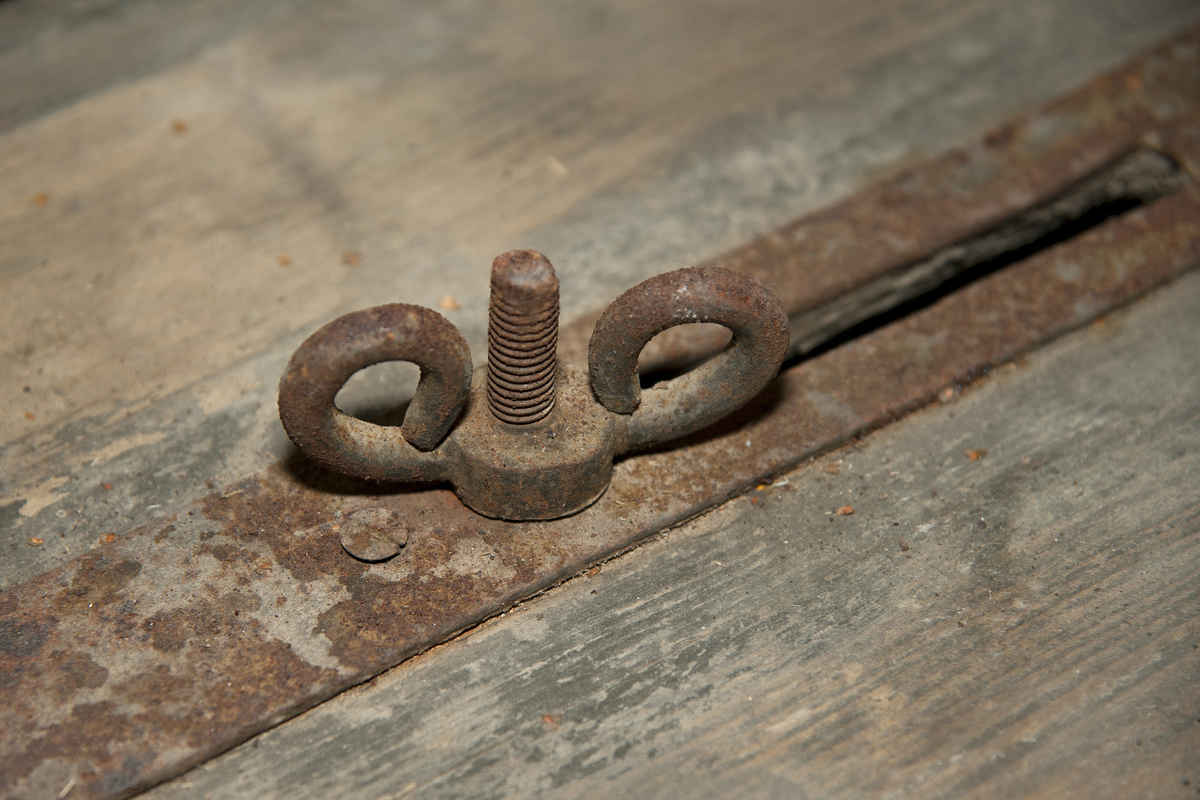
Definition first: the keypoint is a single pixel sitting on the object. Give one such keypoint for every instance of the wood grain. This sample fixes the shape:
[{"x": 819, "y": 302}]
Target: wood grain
[
  {"x": 156, "y": 216},
  {"x": 1019, "y": 624},
  {"x": 156, "y": 167},
  {"x": 173, "y": 224}
]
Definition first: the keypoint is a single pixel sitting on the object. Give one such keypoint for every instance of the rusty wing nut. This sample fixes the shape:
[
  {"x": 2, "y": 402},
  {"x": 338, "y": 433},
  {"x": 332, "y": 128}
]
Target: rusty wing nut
[
  {"x": 538, "y": 438},
  {"x": 714, "y": 389},
  {"x": 327, "y": 359}
]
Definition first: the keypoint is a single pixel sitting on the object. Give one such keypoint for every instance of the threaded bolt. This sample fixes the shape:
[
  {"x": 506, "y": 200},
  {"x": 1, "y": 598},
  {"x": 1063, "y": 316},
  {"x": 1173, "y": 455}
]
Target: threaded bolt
[{"x": 522, "y": 337}]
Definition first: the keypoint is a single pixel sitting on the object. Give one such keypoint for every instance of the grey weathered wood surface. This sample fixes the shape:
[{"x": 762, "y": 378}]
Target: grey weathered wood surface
[
  {"x": 1026, "y": 624},
  {"x": 770, "y": 649},
  {"x": 157, "y": 160}
]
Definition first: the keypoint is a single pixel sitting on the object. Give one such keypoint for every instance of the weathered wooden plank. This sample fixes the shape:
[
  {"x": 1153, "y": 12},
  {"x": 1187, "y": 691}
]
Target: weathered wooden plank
[
  {"x": 139, "y": 264},
  {"x": 156, "y": 212},
  {"x": 405, "y": 133},
  {"x": 1020, "y": 623}
]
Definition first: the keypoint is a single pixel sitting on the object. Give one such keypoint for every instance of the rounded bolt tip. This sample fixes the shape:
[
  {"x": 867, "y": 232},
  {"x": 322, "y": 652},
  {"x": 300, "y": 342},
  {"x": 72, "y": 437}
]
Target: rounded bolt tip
[
  {"x": 524, "y": 280},
  {"x": 522, "y": 337}
]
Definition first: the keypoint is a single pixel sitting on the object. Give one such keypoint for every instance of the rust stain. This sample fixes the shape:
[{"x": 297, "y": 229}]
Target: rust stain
[
  {"x": 185, "y": 637},
  {"x": 97, "y": 582}
]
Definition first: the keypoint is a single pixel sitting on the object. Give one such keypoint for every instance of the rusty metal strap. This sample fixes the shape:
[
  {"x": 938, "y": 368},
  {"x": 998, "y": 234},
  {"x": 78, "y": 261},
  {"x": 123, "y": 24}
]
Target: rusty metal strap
[{"x": 149, "y": 655}]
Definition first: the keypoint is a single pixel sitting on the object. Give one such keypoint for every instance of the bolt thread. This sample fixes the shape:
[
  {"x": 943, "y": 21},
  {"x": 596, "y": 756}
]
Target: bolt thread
[{"x": 522, "y": 337}]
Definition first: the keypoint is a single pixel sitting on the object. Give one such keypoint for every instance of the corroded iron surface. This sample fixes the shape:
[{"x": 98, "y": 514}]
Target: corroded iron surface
[
  {"x": 1027, "y": 163},
  {"x": 557, "y": 458},
  {"x": 327, "y": 359},
  {"x": 693, "y": 401},
  {"x": 179, "y": 640},
  {"x": 522, "y": 337}
]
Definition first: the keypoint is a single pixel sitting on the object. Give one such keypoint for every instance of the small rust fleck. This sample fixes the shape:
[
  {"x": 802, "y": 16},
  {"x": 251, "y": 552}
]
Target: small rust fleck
[
  {"x": 975, "y": 455},
  {"x": 106, "y": 486},
  {"x": 351, "y": 258},
  {"x": 594, "y": 571},
  {"x": 40, "y": 199},
  {"x": 845, "y": 511},
  {"x": 284, "y": 260},
  {"x": 179, "y": 126},
  {"x": 34, "y": 541},
  {"x": 1001, "y": 136}
]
